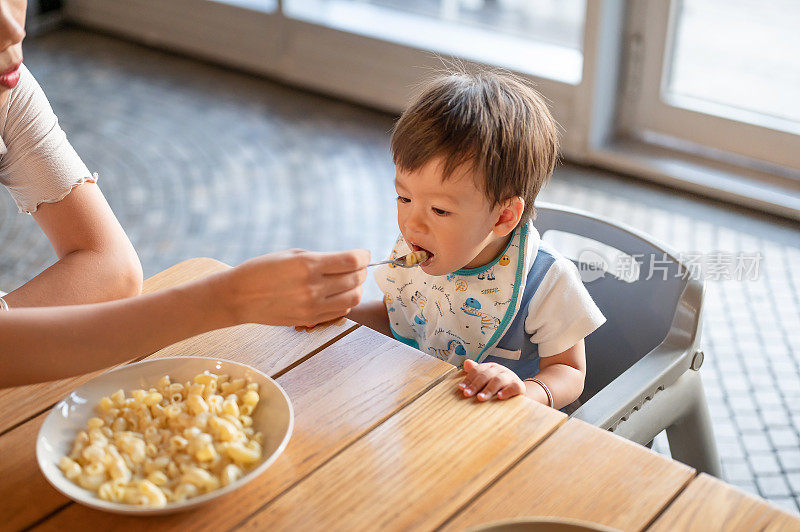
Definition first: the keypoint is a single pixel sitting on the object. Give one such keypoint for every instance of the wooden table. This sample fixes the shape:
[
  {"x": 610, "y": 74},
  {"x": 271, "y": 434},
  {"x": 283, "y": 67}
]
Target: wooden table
[{"x": 382, "y": 441}]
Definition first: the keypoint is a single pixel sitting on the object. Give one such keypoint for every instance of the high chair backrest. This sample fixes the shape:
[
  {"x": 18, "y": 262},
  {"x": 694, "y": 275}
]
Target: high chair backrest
[{"x": 640, "y": 307}]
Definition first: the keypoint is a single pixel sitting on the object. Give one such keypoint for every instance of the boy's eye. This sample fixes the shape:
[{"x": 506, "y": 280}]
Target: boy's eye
[
  {"x": 439, "y": 212},
  {"x": 401, "y": 199}
]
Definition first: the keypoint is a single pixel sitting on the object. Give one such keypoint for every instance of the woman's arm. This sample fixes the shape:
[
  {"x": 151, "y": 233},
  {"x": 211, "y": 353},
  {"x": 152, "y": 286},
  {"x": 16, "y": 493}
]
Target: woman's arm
[
  {"x": 287, "y": 288},
  {"x": 96, "y": 261},
  {"x": 41, "y": 344}
]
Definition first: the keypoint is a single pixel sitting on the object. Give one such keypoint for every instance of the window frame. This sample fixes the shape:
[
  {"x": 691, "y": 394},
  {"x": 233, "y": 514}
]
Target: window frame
[{"x": 651, "y": 27}]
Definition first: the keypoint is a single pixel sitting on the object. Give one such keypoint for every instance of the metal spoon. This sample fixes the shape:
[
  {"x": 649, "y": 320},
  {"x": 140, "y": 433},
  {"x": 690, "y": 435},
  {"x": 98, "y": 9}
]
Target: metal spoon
[{"x": 415, "y": 258}]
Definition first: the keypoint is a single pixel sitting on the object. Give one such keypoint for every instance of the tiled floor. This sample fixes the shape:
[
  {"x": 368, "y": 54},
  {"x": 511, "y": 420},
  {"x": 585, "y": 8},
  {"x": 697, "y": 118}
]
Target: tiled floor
[{"x": 200, "y": 161}]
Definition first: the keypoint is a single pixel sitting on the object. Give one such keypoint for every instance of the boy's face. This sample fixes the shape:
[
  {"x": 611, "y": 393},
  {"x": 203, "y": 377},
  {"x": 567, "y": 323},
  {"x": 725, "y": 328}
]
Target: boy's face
[{"x": 452, "y": 220}]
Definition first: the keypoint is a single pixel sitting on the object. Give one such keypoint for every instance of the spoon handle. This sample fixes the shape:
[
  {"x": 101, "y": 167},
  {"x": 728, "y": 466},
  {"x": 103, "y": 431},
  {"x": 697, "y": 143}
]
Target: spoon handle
[{"x": 381, "y": 262}]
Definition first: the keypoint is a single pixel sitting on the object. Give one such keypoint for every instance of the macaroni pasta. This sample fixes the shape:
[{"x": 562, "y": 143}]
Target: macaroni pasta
[{"x": 169, "y": 443}]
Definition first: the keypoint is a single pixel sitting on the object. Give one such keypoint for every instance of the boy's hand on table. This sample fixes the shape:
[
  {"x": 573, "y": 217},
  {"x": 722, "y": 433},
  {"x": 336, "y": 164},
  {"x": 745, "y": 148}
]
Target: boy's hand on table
[{"x": 488, "y": 380}]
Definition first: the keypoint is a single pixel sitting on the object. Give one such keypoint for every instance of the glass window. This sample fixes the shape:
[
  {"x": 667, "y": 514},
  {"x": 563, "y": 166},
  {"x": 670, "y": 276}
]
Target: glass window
[
  {"x": 539, "y": 37},
  {"x": 738, "y": 59}
]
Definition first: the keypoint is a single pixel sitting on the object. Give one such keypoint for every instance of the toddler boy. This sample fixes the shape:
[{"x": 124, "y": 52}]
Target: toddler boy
[{"x": 472, "y": 153}]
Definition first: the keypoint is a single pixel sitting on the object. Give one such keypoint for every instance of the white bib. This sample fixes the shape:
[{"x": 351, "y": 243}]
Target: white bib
[{"x": 462, "y": 314}]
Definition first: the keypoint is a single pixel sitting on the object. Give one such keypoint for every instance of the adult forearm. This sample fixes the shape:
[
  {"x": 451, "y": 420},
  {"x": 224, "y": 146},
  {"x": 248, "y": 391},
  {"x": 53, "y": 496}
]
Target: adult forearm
[
  {"x": 56, "y": 342},
  {"x": 286, "y": 288},
  {"x": 565, "y": 384},
  {"x": 83, "y": 276}
]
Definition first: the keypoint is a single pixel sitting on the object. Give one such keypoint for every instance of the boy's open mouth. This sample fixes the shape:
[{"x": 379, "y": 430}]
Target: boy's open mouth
[{"x": 415, "y": 247}]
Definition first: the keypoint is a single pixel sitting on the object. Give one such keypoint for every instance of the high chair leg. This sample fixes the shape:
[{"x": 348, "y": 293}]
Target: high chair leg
[
  {"x": 681, "y": 410},
  {"x": 691, "y": 437}
]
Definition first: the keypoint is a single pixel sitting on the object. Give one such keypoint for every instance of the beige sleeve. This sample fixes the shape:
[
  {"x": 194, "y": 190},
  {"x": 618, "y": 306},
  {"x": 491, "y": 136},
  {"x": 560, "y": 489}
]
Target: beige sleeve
[{"x": 37, "y": 163}]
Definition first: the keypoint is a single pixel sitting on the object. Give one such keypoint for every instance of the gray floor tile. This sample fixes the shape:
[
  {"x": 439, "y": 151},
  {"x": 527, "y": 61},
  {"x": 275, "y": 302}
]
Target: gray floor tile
[
  {"x": 790, "y": 461},
  {"x": 787, "y": 504},
  {"x": 783, "y": 438},
  {"x": 756, "y": 442},
  {"x": 748, "y": 486},
  {"x": 773, "y": 486},
  {"x": 749, "y": 422},
  {"x": 794, "y": 482},
  {"x": 764, "y": 464},
  {"x": 737, "y": 470}
]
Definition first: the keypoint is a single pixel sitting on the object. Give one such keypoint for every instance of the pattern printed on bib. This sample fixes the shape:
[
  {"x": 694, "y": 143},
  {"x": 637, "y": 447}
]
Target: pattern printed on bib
[
  {"x": 419, "y": 300},
  {"x": 488, "y": 275},
  {"x": 458, "y": 315},
  {"x": 472, "y": 307},
  {"x": 453, "y": 348}
]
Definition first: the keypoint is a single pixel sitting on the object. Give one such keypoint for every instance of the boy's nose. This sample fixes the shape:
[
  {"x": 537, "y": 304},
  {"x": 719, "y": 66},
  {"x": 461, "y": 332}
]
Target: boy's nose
[{"x": 415, "y": 223}]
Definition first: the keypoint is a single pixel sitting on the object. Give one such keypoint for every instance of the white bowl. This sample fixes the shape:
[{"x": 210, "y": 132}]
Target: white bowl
[
  {"x": 273, "y": 417},
  {"x": 541, "y": 524}
]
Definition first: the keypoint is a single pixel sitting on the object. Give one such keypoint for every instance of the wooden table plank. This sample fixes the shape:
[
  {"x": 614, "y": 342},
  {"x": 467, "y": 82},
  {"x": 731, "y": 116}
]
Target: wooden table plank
[
  {"x": 22, "y": 481},
  {"x": 597, "y": 476},
  {"x": 25, "y": 402},
  {"x": 271, "y": 349},
  {"x": 710, "y": 504},
  {"x": 338, "y": 395},
  {"x": 25, "y": 493},
  {"x": 416, "y": 467}
]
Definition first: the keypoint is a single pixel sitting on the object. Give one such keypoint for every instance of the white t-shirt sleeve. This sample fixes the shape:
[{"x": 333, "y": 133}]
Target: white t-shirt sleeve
[
  {"x": 561, "y": 312},
  {"x": 37, "y": 163}
]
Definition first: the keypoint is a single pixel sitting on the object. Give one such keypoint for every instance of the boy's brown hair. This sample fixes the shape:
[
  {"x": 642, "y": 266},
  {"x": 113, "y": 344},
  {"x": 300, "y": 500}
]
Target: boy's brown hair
[{"x": 493, "y": 121}]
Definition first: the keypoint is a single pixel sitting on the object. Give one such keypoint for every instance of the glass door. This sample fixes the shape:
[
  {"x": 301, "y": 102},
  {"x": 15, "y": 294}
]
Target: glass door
[
  {"x": 537, "y": 37},
  {"x": 721, "y": 75}
]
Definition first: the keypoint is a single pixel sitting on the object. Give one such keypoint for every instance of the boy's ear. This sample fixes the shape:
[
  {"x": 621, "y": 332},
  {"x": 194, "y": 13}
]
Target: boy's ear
[{"x": 510, "y": 215}]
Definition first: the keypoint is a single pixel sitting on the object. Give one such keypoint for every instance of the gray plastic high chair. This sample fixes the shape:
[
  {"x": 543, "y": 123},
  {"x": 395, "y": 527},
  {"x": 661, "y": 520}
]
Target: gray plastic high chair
[{"x": 642, "y": 364}]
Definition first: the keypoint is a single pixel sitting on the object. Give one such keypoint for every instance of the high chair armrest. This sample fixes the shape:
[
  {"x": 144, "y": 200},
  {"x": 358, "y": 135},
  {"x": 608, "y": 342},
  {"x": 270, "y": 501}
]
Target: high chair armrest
[{"x": 638, "y": 384}]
